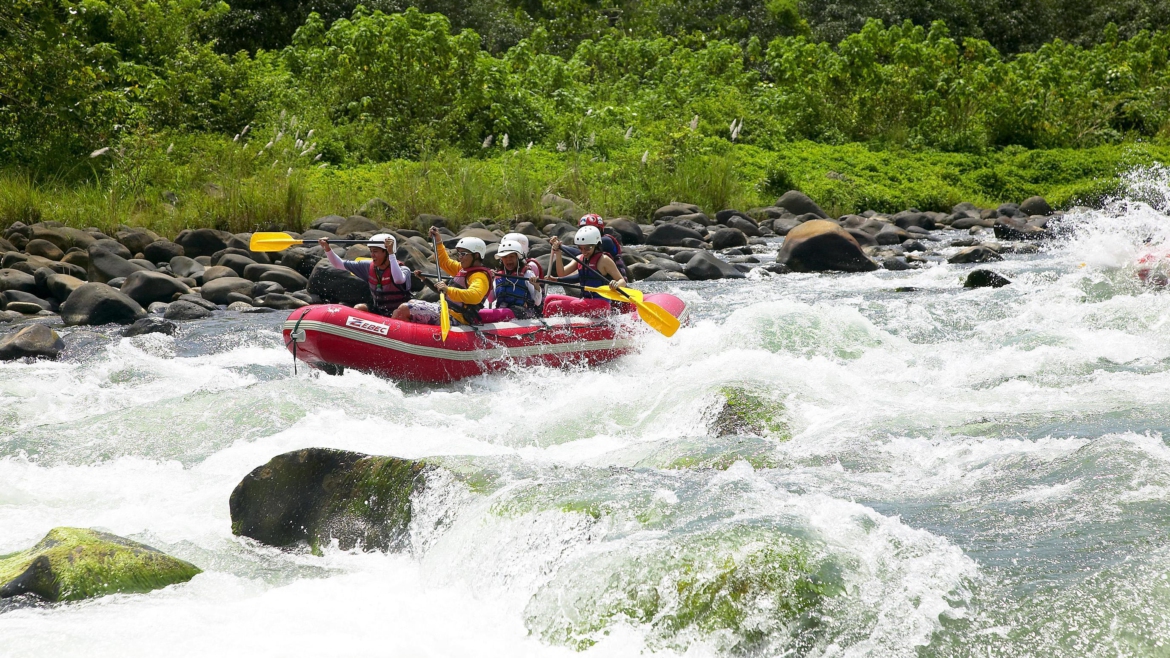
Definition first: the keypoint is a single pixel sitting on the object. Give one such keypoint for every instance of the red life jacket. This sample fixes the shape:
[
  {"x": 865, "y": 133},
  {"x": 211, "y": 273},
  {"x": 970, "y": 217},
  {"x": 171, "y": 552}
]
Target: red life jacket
[{"x": 387, "y": 295}]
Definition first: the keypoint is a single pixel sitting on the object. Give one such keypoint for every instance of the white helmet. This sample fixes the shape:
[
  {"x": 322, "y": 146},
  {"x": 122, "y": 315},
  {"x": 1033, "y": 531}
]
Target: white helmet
[
  {"x": 587, "y": 235},
  {"x": 518, "y": 237},
  {"x": 510, "y": 247},
  {"x": 474, "y": 245},
  {"x": 380, "y": 239}
]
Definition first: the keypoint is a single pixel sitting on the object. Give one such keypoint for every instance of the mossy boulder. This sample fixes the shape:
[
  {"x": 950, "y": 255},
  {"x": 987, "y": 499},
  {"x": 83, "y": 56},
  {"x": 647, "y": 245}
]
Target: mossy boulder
[
  {"x": 70, "y": 564},
  {"x": 740, "y": 410},
  {"x": 747, "y": 590},
  {"x": 316, "y": 495}
]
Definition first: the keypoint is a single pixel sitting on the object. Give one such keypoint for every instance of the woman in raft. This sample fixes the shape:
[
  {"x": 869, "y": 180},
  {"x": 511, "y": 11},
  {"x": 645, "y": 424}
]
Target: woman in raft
[
  {"x": 593, "y": 267},
  {"x": 467, "y": 290}
]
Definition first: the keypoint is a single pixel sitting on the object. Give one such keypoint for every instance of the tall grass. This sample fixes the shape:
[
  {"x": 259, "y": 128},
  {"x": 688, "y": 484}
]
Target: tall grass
[{"x": 219, "y": 185}]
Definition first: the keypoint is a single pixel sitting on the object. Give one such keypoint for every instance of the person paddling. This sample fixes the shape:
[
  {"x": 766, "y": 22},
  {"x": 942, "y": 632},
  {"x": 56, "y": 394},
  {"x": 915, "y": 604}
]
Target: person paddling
[
  {"x": 390, "y": 283},
  {"x": 594, "y": 268},
  {"x": 611, "y": 244},
  {"x": 515, "y": 291},
  {"x": 468, "y": 289}
]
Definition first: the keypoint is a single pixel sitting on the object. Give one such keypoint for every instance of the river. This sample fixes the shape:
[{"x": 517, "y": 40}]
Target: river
[{"x": 960, "y": 473}]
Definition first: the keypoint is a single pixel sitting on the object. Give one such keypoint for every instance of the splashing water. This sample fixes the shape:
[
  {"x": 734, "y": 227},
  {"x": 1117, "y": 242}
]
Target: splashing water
[{"x": 961, "y": 472}]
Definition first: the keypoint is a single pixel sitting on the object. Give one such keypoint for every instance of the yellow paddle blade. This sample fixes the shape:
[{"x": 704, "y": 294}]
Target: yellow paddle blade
[
  {"x": 273, "y": 242},
  {"x": 631, "y": 295},
  {"x": 652, "y": 314},
  {"x": 444, "y": 317}
]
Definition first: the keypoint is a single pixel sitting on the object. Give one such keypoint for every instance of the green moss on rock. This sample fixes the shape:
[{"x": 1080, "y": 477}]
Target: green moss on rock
[
  {"x": 315, "y": 495},
  {"x": 70, "y": 564},
  {"x": 743, "y": 411},
  {"x": 746, "y": 589}
]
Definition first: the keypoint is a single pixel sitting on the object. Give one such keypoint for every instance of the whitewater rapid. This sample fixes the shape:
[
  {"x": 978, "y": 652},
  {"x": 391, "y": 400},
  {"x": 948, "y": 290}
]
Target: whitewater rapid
[{"x": 977, "y": 472}]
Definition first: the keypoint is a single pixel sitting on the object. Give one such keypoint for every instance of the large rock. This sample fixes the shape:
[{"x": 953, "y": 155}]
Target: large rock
[
  {"x": 304, "y": 259},
  {"x": 316, "y": 495},
  {"x": 182, "y": 309},
  {"x": 146, "y": 287},
  {"x": 671, "y": 235},
  {"x": 56, "y": 285},
  {"x": 630, "y": 232},
  {"x": 237, "y": 262},
  {"x": 16, "y": 280},
  {"x": 35, "y": 340},
  {"x": 1035, "y": 205},
  {"x": 328, "y": 223},
  {"x": 218, "y": 272},
  {"x": 819, "y": 245},
  {"x": 748, "y": 226},
  {"x": 278, "y": 301},
  {"x": 149, "y": 325},
  {"x": 44, "y": 249},
  {"x": 906, "y": 219},
  {"x": 357, "y": 224},
  {"x": 136, "y": 239},
  {"x": 675, "y": 209},
  {"x": 217, "y": 291},
  {"x": 202, "y": 241},
  {"x": 338, "y": 287},
  {"x": 71, "y": 564},
  {"x": 728, "y": 237},
  {"x": 985, "y": 279},
  {"x": 704, "y": 266},
  {"x": 798, "y": 203},
  {"x": 162, "y": 251},
  {"x": 976, "y": 254},
  {"x": 285, "y": 276},
  {"x": 10, "y": 297},
  {"x": 182, "y": 266},
  {"x": 98, "y": 303},
  {"x": 108, "y": 262}
]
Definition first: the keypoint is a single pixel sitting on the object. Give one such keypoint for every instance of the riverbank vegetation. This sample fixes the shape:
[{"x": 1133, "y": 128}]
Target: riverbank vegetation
[{"x": 175, "y": 113}]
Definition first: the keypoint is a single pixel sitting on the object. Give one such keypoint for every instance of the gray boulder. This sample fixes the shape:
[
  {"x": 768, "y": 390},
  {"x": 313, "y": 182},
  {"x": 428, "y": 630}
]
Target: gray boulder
[
  {"x": 237, "y": 262},
  {"x": 725, "y": 238},
  {"x": 35, "y": 340},
  {"x": 279, "y": 301},
  {"x": 675, "y": 209},
  {"x": 741, "y": 223},
  {"x": 217, "y": 291},
  {"x": 672, "y": 235},
  {"x": 147, "y": 287},
  {"x": 202, "y": 241},
  {"x": 339, "y": 287},
  {"x": 13, "y": 297},
  {"x": 704, "y": 265},
  {"x": 44, "y": 249},
  {"x": 58, "y": 286},
  {"x": 182, "y": 266},
  {"x": 149, "y": 325},
  {"x": 262, "y": 288},
  {"x": 1035, "y": 205},
  {"x": 629, "y": 232},
  {"x": 11, "y": 279},
  {"x": 985, "y": 279},
  {"x": 136, "y": 239},
  {"x": 97, "y": 303},
  {"x": 107, "y": 261},
  {"x": 162, "y": 251},
  {"x": 906, "y": 219},
  {"x": 318, "y": 495},
  {"x": 820, "y": 245},
  {"x": 357, "y": 224},
  {"x": 287, "y": 277},
  {"x": 184, "y": 310},
  {"x": 798, "y": 203},
  {"x": 976, "y": 254},
  {"x": 198, "y": 301},
  {"x": 218, "y": 272}
]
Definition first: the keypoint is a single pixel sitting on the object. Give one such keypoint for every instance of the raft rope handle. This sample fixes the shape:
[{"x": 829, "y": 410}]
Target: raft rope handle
[{"x": 292, "y": 339}]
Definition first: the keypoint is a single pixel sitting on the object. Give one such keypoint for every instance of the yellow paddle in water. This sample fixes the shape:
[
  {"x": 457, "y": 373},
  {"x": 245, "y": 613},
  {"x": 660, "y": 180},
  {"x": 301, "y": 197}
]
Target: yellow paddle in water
[
  {"x": 280, "y": 241},
  {"x": 652, "y": 314}
]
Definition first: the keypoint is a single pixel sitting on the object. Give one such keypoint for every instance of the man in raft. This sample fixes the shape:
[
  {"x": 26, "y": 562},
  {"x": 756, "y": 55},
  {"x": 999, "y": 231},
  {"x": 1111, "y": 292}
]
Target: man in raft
[
  {"x": 389, "y": 282},
  {"x": 468, "y": 288},
  {"x": 594, "y": 268}
]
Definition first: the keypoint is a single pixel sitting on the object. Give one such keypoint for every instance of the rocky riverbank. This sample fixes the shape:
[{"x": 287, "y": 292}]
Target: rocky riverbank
[{"x": 136, "y": 277}]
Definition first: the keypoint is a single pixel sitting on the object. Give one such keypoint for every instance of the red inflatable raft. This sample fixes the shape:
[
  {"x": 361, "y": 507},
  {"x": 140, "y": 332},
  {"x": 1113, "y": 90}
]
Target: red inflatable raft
[{"x": 330, "y": 337}]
